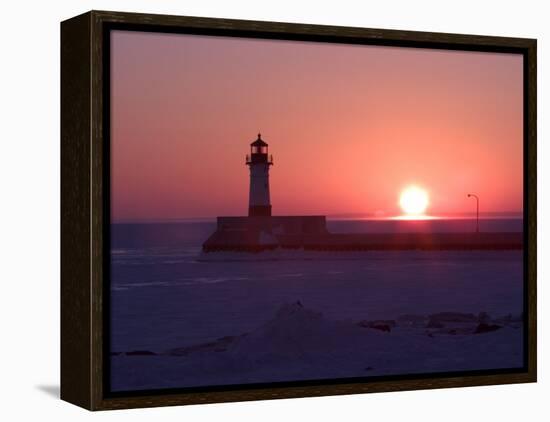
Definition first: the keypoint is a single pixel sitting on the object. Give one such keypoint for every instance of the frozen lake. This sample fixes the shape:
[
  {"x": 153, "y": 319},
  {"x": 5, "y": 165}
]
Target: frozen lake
[{"x": 163, "y": 298}]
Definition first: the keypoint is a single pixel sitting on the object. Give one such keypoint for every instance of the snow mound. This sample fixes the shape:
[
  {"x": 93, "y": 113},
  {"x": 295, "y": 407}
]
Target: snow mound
[{"x": 296, "y": 332}]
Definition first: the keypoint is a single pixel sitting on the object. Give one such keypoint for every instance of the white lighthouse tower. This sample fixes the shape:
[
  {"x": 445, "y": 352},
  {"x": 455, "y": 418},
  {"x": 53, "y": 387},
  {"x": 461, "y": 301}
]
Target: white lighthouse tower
[{"x": 259, "y": 203}]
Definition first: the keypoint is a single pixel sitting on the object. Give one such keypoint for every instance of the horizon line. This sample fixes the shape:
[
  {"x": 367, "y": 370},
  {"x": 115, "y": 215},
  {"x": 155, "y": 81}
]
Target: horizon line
[{"x": 338, "y": 216}]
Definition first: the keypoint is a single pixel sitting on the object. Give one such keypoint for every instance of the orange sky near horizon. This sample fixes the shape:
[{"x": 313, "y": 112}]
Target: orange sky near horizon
[{"x": 349, "y": 126}]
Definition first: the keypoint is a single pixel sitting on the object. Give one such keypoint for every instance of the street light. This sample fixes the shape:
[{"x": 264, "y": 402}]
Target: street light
[{"x": 477, "y": 210}]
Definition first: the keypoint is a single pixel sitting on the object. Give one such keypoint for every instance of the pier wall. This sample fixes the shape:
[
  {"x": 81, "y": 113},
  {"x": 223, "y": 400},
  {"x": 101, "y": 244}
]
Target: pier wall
[
  {"x": 278, "y": 225},
  {"x": 258, "y": 233}
]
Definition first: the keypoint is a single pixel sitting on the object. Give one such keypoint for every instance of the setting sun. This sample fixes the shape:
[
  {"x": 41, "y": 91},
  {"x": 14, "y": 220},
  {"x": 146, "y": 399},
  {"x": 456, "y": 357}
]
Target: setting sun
[{"x": 414, "y": 200}]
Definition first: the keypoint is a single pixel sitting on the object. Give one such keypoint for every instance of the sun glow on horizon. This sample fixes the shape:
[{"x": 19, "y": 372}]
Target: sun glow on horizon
[
  {"x": 422, "y": 217},
  {"x": 414, "y": 201}
]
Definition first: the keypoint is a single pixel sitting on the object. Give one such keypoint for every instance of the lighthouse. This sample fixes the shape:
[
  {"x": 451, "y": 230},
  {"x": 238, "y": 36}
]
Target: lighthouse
[
  {"x": 259, "y": 230},
  {"x": 259, "y": 203}
]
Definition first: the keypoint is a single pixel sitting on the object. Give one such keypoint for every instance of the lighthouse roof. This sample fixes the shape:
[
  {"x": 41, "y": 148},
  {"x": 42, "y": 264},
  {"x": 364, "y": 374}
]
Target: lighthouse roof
[{"x": 259, "y": 142}]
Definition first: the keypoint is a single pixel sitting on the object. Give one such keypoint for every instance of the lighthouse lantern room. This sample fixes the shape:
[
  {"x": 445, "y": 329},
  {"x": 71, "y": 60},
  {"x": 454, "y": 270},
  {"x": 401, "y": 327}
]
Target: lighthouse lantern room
[{"x": 258, "y": 161}]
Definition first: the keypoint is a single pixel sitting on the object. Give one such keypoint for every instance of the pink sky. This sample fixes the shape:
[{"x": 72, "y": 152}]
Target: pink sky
[{"x": 348, "y": 126}]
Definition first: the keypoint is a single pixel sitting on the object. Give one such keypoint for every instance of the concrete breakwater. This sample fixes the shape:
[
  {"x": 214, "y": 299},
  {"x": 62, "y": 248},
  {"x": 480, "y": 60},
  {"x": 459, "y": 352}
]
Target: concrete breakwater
[{"x": 256, "y": 234}]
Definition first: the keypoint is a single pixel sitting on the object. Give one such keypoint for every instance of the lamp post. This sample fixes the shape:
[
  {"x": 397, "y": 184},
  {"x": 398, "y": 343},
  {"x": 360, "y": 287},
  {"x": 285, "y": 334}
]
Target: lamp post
[{"x": 477, "y": 210}]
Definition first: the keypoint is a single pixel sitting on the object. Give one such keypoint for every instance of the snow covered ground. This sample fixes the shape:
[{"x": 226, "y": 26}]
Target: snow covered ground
[
  {"x": 301, "y": 344},
  {"x": 197, "y": 322}
]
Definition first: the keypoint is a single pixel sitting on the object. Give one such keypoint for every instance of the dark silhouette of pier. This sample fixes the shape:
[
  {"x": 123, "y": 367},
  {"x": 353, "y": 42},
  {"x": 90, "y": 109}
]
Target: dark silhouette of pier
[{"x": 256, "y": 234}]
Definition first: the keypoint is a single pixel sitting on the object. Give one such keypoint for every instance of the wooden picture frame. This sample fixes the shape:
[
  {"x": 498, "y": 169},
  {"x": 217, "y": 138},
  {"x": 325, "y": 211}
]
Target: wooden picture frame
[{"x": 85, "y": 216}]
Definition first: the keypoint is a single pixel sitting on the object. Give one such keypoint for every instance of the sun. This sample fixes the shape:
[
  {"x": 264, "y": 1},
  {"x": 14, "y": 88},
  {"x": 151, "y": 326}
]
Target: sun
[{"x": 414, "y": 200}]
